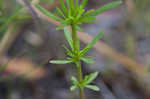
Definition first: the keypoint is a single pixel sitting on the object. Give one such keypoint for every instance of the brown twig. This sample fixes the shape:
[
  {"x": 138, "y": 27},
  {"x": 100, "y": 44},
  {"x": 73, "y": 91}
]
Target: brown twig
[{"x": 23, "y": 67}]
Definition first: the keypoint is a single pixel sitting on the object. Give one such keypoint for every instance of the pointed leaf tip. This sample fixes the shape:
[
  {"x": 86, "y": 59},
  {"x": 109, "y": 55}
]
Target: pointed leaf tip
[
  {"x": 92, "y": 43},
  {"x": 72, "y": 88},
  {"x": 60, "y": 61},
  {"x": 93, "y": 87},
  {"x": 89, "y": 78},
  {"x": 88, "y": 60}
]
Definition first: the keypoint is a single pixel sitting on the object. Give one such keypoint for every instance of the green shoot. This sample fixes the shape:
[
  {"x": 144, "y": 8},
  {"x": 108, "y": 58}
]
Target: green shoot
[{"x": 73, "y": 14}]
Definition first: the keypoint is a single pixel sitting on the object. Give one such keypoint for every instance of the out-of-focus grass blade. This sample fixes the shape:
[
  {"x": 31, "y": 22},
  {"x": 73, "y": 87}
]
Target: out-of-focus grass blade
[
  {"x": 67, "y": 2},
  {"x": 76, "y": 3},
  {"x": 84, "y": 2},
  {"x": 10, "y": 19},
  {"x": 71, "y": 3},
  {"x": 48, "y": 13},
  {"x": 107, "y": 7}
]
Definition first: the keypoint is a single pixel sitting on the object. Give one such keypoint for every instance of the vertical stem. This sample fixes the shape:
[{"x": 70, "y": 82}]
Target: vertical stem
[
  {"x": 79, "y": 68},
  {"x": 79, "y": 71},
  {"x": 74, "y": 38}
]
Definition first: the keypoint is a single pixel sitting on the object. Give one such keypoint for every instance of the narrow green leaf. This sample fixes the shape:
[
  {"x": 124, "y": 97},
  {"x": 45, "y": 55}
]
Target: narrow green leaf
[
  {"x": 66, "y": 22},
  {"x": 72, "y": 88},
  {"x": 87, "y": 19},
  {"x": 92, "y": 43},
  {"x": 71, "y": 3},
  {"x": 67, "y": 2},
  {"x": 60, "y": 61},
  {"x": 81, "y": 11},
  {"x": 76, "y": 4},
  {"x": 76, "y": 11},
  {"x": 88, "y": 60},
  {"x": 71, "y": 6},
  {"x": 83, "y": 3},
  {"x": 68, "y": 37},
  {"x": 48, "y": 13},
  {"x": 74, "y": 80},
  {"x": 62, "y": 5},
  {"x": 107, "y": 7},
  {"x": 89, "y": 78},
  {"x": 93, "y": 87},
  {"x": 60, "y": 12},
  {"x": 68, "y": 51},
  {"x": 10, "y": 19},
  {"x": 88, "y": 12}
]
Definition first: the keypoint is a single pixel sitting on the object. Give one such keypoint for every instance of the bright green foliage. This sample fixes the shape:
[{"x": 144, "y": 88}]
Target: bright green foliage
[
  {"x": 75, "y": 13},
  {"x": 85, "y": 82},
  {"x": 48, "y": 13},
  {"x": 81, "y": 56},
  {"x": 72, "y": 14},
  {"x": 84, "y": 2}
]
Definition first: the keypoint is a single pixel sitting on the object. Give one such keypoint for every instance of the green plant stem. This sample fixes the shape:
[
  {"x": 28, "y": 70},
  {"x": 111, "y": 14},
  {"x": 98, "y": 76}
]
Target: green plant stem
[
  {"x": 74, "y": 38},
  {"x": 79, "y": 71},
  {"x": 76, "y": 51}
]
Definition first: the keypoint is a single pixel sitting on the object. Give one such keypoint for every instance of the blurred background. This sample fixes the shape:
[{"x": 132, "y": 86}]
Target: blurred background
[{"x": 28, "y": 40}]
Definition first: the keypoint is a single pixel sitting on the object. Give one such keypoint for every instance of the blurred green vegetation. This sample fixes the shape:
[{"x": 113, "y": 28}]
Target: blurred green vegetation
[
  {"x": 142, "y": 5},
  {"x": 11, "y": 13},
  {"x": 143, "y": 8}
]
